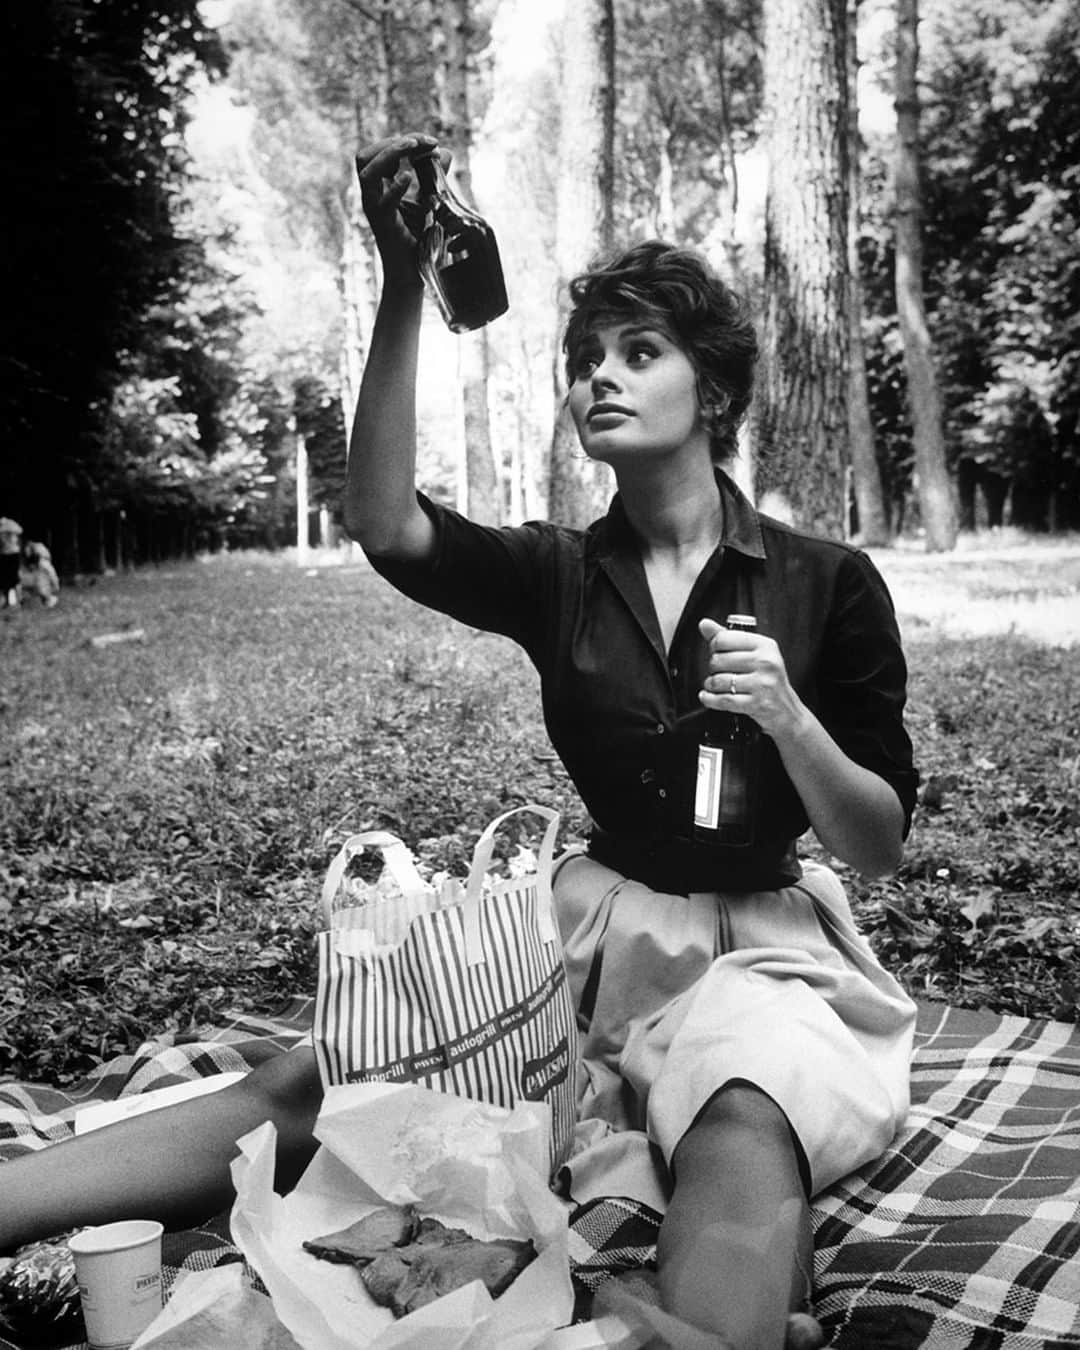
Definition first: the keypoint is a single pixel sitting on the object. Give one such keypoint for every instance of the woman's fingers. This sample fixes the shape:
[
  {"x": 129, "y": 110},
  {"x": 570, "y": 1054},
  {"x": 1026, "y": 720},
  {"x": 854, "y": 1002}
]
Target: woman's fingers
[
  {"x": 381, "y": 159},
  {"x": 386, "y": 178}
]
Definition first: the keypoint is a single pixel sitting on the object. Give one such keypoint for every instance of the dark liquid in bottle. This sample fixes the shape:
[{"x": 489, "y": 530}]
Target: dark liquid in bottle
[
  {"x": 729, "y": 759},
  {"x": 726, "y": 795},
  {"x": 468, "y": 279}
]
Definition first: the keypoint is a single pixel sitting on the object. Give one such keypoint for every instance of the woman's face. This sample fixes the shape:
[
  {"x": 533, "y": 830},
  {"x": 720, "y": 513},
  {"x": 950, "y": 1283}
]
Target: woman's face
[{"x": 634, "y": 393}]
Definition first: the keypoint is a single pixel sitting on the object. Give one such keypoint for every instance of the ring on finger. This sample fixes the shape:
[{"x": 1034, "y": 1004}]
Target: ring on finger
[{"x": 732, "y": 689}]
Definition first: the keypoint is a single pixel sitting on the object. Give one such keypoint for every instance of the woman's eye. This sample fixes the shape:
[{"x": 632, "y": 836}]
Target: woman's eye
[
  {"x": 641, "y": 352},
  {"x": 584, "y": 367}
]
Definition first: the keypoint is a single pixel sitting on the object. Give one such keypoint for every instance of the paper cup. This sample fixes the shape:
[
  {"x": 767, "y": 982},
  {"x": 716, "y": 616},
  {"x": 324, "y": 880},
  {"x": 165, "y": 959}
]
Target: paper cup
[{"x": 118, "y": 1267}]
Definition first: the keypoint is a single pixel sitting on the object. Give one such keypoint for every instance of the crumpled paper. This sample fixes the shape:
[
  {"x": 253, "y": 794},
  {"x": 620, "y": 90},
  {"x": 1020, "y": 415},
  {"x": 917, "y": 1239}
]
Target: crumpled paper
[
  {"x": 471, "y": 1165},
  {"x": 215, "y": 1309}
]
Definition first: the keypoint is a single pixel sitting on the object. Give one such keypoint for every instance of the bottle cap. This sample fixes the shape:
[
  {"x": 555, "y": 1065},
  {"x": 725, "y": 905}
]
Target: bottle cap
[{"x": 740, "y": 621}]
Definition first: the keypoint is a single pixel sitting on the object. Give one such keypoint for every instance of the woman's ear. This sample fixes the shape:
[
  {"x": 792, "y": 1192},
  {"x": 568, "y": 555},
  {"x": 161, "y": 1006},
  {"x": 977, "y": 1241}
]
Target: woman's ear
[
  {"x": 713, "y": 404},
  {"x": 713, "y": 413}
]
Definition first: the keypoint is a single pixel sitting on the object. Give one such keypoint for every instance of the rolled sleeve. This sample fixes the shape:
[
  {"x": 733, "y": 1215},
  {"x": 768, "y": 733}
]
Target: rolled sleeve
[
  {"x": 864, "y": 679},
  {"x": 485, "y": 576}
]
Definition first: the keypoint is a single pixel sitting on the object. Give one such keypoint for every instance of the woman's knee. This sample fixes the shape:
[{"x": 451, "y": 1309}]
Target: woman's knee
[
  {"x": 740, "y": 1117},
  {"x": 288, "y": 1088},
  {"x": 740, "y": 1105}
]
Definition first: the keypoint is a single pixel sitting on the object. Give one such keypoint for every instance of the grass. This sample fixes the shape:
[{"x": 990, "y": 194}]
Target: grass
[{"x": 170, "y": 803}]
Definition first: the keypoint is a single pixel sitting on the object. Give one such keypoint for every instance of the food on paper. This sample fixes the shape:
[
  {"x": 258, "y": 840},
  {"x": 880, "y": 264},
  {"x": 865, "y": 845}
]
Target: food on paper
[
  {"x": 435, "y": 1269},
  {"x": 407, "y": 1262},
  {"x": 365, "y": 1239}
]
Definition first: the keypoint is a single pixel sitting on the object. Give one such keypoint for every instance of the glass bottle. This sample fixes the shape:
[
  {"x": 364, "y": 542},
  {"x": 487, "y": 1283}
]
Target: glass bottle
[
  {"x": 459, "y": 258},
  {"x": 729, "y": 757}
]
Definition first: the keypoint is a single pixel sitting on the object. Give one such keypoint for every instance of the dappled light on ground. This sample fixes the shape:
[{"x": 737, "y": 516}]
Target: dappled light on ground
[{"x": 1027, "y": 588}]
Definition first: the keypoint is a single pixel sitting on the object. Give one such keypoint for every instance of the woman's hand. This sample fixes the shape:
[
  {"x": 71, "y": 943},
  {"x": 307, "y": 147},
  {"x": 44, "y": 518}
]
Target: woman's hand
[
  {"x": 386, "y": 178},
  {"x": 854, "y": 813},
  {"x": 746, "y": 674}
]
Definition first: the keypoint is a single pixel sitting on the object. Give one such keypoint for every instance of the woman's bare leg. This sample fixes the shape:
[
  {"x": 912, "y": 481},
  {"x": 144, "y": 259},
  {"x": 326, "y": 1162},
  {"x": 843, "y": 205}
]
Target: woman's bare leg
[
  {"x": 171, "y": 1164},
  {"x": 735, "y": 1249}
]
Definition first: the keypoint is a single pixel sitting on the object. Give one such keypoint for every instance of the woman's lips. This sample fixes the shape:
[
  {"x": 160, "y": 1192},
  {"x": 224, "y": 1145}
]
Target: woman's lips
[{"x": 604, "y": 411}]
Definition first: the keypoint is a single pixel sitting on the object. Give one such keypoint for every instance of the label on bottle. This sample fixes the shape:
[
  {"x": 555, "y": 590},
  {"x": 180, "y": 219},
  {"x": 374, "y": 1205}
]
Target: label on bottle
[{"x": 710, "y": 773}]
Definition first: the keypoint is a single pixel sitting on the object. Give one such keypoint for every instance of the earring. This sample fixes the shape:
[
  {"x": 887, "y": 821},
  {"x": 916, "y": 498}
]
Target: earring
[{"x": 713, "y": 412}]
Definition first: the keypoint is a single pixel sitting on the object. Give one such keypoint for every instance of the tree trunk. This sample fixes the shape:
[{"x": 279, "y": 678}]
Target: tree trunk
[
  {"x": 483, "y": 494},
  {"x": 359, "y": 266},
  {"x": 665, "y": 190},
  {"x": 936, "y": 500},
  {"x": 578, "y": 488},
  {"x": 801, "y": 424},
  {"x": 873, "y": 523},
  {"x": 358, "y": 286},
  {"x": 302, "y": 501}
]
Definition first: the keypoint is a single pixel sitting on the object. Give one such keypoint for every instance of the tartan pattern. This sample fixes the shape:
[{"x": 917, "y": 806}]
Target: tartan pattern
[
  {"x": 609, "y": 1236},
  {"x": 32, "y": 1116},
  {"x": 965, "y": 1235}
]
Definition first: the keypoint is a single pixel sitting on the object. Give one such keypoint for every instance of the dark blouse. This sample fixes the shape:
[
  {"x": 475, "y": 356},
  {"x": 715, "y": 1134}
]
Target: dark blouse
[{"x": 623, "y": 713}]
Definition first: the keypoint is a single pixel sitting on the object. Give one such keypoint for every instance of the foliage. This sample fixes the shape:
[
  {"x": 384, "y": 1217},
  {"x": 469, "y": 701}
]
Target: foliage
[
  {"x": 689, "y": 85},
  {"x": 204, "y": 298},
  {"x": 170, "y": 806},
  {"x": 986, "y": 909},
  {"x": 1001, "y": 131},
  {"x": 319, "y": 419},
  {"x": 92, "y": 112}
]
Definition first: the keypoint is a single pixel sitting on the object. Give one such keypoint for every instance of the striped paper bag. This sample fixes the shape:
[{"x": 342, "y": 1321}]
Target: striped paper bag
[{"x": 462, "y": 989}]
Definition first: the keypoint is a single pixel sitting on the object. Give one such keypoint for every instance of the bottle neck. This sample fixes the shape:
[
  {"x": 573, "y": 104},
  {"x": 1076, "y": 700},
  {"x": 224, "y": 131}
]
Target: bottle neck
[{"x": 430, "y": 176}]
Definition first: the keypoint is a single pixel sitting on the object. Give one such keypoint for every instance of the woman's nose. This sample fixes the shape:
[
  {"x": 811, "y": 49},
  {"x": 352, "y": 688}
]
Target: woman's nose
[{"x": 603, "y": 377}]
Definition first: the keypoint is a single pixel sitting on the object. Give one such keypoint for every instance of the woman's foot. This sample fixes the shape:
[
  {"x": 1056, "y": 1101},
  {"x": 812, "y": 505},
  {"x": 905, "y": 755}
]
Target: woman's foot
[
  {"x": 635, "y": 1297},
  {"x": 803, "y": 1333}
]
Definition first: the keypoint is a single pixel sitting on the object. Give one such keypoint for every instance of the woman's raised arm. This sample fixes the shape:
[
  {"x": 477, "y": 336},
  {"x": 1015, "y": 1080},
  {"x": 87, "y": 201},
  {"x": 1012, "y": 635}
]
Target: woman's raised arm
[{"x": 381, "y": 510}]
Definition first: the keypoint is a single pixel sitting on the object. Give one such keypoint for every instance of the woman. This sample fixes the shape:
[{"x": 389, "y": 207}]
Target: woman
[
  {"x": 732, "y": 1013},
  {"x": 741, "y": 1047}
]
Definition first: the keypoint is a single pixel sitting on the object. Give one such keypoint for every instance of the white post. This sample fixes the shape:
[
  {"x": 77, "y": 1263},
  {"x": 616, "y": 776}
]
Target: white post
[{"x": 302, "y": 554}]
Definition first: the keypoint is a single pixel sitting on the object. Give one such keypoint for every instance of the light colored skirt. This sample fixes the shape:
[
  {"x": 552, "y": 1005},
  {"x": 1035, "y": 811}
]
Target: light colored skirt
[{"x": 776, "y": 988}]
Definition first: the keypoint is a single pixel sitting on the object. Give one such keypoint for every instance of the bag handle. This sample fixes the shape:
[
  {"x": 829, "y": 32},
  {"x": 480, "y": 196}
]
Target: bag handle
[
  {"x": 397, "y": 858},
  {"x": 482, "y": 861}
]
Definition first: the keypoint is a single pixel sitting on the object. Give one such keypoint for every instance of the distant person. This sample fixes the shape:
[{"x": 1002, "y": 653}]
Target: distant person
[
  {"x": 37, "y": 575},
  {"x": 11, "y": 533}
]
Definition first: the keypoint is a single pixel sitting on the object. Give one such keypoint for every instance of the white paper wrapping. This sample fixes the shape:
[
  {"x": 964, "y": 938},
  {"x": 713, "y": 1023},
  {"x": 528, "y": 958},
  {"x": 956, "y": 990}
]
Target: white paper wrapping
[{"x": 471, "y": 1165}]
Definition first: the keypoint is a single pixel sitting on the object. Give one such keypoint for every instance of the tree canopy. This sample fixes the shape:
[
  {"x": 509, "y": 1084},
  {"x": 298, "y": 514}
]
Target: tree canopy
[
  {"x": 171, "y": 323},
  {"x": 92, "y": 112}
]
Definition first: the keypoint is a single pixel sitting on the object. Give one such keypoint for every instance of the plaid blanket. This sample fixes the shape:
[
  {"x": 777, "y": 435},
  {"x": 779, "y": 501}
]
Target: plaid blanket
[{"x": 966, "y": 1233}]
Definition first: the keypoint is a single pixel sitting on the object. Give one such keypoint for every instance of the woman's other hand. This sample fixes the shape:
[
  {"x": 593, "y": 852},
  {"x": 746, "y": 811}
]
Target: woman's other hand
[
  {"x": 855, "y": 814},
  {"x": 386, "y": 180},
  {"x": 746, "y": 674}
]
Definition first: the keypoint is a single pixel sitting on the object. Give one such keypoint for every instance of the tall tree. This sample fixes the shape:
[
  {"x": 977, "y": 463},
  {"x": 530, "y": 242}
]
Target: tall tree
[
  {"x": 1001, "y": 240},
  {"x": 584, "y": 224},
  {"x": 936, "y": 501},
  {"x": 873, "y": 523},
  {"x": 689, "y": 87},
  {"x": 801, "y": 425},
  {"x": 482, "y": 488},
  {"x": 368, "y": 74}
]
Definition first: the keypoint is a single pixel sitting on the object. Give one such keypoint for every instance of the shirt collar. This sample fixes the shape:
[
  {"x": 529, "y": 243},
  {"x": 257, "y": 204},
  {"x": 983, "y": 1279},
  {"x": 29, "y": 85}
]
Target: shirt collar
[{"x": 741, "y": 528}]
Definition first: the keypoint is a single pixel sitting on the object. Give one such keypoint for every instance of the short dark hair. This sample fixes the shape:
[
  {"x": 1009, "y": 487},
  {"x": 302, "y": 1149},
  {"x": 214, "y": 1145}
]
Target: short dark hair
[{"x": 679, "y": 291}]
